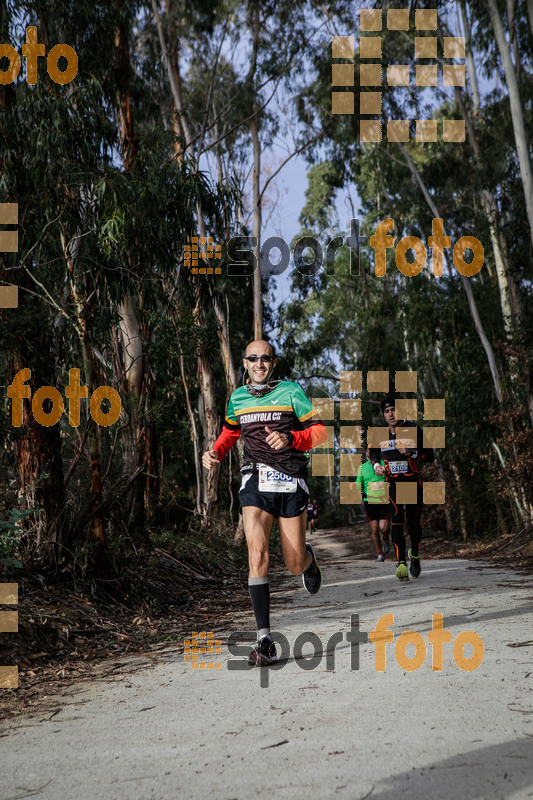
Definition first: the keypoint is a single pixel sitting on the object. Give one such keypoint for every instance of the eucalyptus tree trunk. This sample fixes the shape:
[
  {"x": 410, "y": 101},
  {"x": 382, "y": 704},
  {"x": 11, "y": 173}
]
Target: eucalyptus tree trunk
[
  {"x": 438, "y": 461},
  {"x": 470, "y": 65},
  {"x": 209, "y": 417},
  {"x": 206, "y": 382},
  {"x": 39, "y": 468},
  {"x": 517, "y": 116},
  {"x": 256, "y": 177},
  {"x": 139, "y": 442},
  {"x": 135, "y": 442},
  {"x": 79, "y": 296},
  {"x": 462, "y": 509},
  {"x": 509, "y": 295},
  {"x": 473, "y": 311},
  {"x": 530, "y": 16},
  {"x": 258, "y": 298},
  {"x": 489, "y": 352},
  {"x": 194, "y": 436}
]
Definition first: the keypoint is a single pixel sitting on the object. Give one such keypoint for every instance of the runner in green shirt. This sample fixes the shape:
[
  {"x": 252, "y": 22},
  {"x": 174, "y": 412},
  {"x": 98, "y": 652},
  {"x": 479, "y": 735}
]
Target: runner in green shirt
[{"x": 375, "y": 505}]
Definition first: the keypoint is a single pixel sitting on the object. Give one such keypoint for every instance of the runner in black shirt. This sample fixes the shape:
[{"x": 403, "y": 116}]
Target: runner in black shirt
[{"x": 401, "y": 465}]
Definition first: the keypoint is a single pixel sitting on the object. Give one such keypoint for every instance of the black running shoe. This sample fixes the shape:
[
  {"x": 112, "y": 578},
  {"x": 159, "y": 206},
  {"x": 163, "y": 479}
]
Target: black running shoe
[
  {"x": 414, "y": 567},
  {"x": 263, "y": 654},
  {"x": 312, "y": 577}
]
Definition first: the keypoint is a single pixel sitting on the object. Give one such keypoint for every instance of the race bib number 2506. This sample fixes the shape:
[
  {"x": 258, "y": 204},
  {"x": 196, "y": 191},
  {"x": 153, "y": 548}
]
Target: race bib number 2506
[{"x": 272, "y": 480}]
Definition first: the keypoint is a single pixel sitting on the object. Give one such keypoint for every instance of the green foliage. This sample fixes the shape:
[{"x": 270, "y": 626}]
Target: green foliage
[{"x": 10, "y": 537}]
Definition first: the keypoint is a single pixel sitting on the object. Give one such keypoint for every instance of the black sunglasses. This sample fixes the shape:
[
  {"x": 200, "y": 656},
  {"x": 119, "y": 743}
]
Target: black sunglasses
[{"x": 253, "y": 359}]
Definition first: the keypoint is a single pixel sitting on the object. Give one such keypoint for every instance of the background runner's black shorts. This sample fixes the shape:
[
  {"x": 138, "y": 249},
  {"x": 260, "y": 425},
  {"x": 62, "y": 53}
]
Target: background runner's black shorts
[
  {"x": 376, "y": 511},
  {"x": 279, "y": 504}
]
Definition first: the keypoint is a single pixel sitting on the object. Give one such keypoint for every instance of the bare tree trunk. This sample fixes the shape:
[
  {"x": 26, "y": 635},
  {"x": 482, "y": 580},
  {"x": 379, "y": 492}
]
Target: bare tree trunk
[
  {"x": 256, "y": 177},
  {"x": 140, "y": 435},
  {"x": 172, "y": 67},
  {"x": 517, "y": 116},
  {"x": 512, "y": 37},
  {"x": 470, "y": 296},
  {"x": 438, "y": 461},
  {"x": 231, "y": 382},
  {"x": 466, "y": 286},
  {"x": 462, "y": 510},
  {"x": 194, "y": 436},
  {"x": 239, "y": 533},
  {"x": 525, "y": 512},
  {"x": 151, "y": 458},
  {"x": 530, "y": 16},
  {"x": 225, "y": 350},
  {"x": 132, "y": 346},
  {"x": 509, "y": 294},
  {"x": 474, "y": 86},
  {"x": 137, "y": 442},
  {"x": 204, "y": 369},
  {"x": 39, "y": 469},
  {"x": 496, "y": 378},
  {"x": 447, "y": 513},
  {"x": 211, "y": 421},
  {"x": 258, "y": 299},
  {"x": 71, "y": 251}
]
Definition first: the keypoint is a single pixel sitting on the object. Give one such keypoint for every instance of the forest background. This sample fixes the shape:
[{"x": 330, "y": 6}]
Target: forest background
[{"x": 173, "y": 128}]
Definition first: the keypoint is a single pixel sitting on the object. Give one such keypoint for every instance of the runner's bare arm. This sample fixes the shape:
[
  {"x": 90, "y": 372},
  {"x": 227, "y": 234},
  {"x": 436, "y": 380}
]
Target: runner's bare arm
[
  {"x": 210, "y": 458},
  {"x": 225, "y": 441}
]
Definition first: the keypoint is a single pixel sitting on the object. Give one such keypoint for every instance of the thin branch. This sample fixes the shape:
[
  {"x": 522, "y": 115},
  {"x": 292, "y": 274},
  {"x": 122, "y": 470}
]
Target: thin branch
[
  {"x": 76, "y": 459},
  {"x": 210, "y": 94},
  {"x": 295, "y": 153}
]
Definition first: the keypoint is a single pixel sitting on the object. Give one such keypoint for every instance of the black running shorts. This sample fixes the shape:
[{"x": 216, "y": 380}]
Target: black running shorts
[
  {"x": 279, "y": 504},
  {"x": 376, "y": 511}
]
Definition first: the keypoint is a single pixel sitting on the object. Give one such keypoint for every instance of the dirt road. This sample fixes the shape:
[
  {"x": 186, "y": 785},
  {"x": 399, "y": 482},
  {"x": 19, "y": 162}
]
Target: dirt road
[{"x": 328, "y": 727}]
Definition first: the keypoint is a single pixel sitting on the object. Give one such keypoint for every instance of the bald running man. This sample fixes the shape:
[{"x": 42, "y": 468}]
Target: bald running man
[{"x": 278, "y": 424}]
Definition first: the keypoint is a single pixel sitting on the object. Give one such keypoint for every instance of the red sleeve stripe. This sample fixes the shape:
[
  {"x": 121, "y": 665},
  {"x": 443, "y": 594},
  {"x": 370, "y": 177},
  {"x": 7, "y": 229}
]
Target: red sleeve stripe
[
  {"x": 225, "y": 441},
  {"x": 311, "y": 437}
]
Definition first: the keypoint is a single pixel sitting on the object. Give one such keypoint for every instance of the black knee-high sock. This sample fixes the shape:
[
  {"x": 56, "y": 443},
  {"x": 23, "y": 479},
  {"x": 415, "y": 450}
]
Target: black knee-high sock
[
  {"x": 414, "y": 528},
  {"x": 398, "y": 538},
  {"x": 260, "y": 596},
  {"x": 415, "y": 536}
]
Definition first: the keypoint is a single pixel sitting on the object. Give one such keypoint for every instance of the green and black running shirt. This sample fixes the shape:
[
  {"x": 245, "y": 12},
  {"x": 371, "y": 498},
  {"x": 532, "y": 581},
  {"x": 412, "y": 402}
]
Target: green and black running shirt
[{"x": 286, "y": 408}]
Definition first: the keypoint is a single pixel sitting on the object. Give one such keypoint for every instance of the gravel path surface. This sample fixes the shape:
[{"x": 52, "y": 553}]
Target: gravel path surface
[{"x": 338, "y": 729}]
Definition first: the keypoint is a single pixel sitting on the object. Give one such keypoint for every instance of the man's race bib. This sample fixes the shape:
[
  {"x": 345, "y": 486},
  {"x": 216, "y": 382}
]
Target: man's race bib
[
  {"x": 396, "y": 467},
  {"x": 377, "y": 493},
  {"x": 272, "y": 480}
]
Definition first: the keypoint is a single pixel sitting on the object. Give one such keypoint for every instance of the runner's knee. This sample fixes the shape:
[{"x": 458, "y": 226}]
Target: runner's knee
[
  {"x": 258, "y": 560},
  {"x": 296, "y": 563}
]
